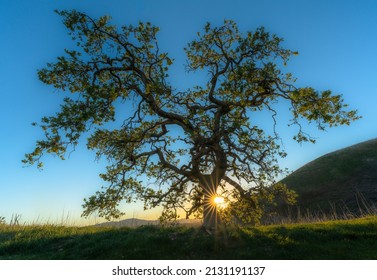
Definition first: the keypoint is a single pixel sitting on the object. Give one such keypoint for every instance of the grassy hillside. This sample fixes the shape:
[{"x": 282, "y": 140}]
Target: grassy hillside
[
  {"x": 345, "y": 179},
  {"x": 352, "y": 239}
]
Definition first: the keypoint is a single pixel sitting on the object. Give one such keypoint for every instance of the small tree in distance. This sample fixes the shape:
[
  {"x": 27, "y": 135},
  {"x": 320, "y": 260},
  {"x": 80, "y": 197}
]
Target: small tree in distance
[{"x": 191, "y": 143}]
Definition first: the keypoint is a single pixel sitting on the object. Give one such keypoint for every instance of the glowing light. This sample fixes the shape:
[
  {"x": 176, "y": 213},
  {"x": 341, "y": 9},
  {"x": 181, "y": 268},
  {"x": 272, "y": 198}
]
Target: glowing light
[{"x": 218, "y": 200}]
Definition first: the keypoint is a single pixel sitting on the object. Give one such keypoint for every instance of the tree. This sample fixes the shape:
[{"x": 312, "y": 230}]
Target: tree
[
  {"x": 192, "y": 143},
  {"x": 267, "y": 206}
]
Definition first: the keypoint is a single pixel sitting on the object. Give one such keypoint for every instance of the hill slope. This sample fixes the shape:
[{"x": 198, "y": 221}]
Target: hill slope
[{"x": 345, "y": 180}]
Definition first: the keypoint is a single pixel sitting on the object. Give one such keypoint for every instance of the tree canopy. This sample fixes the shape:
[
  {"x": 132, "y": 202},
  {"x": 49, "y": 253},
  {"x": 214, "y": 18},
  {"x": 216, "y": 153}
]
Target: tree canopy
[{"x": 176, "y": 148}]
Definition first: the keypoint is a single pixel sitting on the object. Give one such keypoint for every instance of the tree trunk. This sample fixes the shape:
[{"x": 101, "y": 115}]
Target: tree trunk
[
  {"x": 209, "y": 184},
  {"x": 210, "y": 216}
]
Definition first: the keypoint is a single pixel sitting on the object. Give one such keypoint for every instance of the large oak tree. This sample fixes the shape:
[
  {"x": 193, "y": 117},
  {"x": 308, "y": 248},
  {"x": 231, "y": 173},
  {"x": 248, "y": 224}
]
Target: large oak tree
[{"x": 176, "y": 148}]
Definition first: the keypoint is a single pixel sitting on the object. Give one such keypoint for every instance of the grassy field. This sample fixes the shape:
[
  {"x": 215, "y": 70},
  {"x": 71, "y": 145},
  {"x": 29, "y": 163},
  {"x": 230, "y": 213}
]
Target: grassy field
[{"x": 351, "y": 239}]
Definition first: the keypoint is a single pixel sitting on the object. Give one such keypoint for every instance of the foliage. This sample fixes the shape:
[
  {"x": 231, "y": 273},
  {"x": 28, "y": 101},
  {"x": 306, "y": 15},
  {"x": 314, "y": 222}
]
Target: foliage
[
  {"x": 2, "y": 220},
  {"x": 185, "y": 143},
  {"x": 267, "y": 203}
]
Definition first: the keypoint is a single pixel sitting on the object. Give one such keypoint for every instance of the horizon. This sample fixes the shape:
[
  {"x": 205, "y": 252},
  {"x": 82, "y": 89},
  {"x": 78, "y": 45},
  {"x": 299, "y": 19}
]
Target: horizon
[{"x": 336, "y": 46}]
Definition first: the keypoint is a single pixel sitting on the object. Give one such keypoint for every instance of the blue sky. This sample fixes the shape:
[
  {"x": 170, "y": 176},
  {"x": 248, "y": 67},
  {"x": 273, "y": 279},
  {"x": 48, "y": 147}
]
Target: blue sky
[{"x": 336, "y": 40}]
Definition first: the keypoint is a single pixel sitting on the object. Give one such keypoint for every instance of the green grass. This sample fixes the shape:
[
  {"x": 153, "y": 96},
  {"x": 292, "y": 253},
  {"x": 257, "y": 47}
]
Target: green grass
[{"x": 351, "y": 239}]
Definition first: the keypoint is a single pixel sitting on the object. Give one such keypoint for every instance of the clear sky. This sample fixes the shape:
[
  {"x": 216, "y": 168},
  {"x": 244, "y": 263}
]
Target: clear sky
[{"x": 336, "y": 40}]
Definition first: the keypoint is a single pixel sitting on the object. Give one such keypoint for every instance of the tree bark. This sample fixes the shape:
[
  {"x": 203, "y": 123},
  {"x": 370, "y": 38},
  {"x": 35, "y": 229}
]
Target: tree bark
[{"x": 209, "y": 184}]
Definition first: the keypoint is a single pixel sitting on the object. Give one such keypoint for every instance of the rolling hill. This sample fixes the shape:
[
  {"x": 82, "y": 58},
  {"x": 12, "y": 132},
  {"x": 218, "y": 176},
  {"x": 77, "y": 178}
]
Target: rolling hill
[
  {"x": 134, "y": 223},
  {"x": 344, "y": 181}
]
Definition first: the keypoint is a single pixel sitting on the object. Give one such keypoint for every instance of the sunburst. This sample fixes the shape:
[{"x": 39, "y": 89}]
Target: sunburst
[{"x": 218, "y": 200}]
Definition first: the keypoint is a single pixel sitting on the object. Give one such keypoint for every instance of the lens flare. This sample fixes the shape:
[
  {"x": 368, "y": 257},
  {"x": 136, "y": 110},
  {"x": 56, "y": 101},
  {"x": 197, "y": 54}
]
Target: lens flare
[{"x": 218, "y": 200}]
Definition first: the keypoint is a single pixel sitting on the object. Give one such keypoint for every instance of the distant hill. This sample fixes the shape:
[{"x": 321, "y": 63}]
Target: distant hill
[
  {"x": 129, "y": 223},
  {"x": 139, "y": 222},
  {"x": 344, "y": 180}
]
